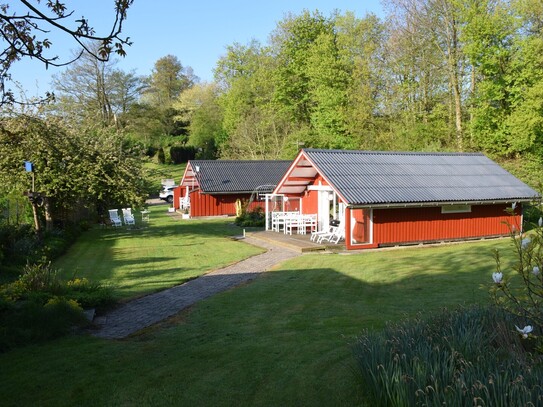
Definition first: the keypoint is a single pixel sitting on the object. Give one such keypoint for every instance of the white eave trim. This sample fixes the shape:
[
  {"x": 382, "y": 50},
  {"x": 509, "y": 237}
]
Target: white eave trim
[{"x": 429, "y": 204}]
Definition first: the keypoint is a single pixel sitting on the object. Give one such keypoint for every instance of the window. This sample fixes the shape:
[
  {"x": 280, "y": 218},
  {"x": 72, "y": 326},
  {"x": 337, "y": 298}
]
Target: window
[{"x": 456, "y": 209}]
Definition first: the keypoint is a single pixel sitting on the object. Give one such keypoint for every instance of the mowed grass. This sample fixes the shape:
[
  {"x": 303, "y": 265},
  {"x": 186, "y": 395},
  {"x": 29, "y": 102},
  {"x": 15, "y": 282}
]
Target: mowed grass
[
  {"x": 162, "y": 253},
  {"x": 157, "y": 172},
  {"x": 282, "y": 340}
]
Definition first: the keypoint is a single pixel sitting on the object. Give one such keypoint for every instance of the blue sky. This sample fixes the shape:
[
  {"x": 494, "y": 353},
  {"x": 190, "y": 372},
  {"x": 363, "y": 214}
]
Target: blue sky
[{"x": 196, "y": 32}]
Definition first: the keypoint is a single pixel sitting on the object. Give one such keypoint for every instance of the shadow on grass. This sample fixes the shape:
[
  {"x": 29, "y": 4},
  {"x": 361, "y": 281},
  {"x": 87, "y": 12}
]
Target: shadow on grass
[
  {"x": 283, "y": 339},
  {"x": 154, "y": 256}
]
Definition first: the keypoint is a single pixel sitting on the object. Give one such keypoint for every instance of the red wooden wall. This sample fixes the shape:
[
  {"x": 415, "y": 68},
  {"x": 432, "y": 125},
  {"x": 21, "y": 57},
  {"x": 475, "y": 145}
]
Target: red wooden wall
[
  {"x": 410, "y": 225},
  {"x": 217, "y": 205}
]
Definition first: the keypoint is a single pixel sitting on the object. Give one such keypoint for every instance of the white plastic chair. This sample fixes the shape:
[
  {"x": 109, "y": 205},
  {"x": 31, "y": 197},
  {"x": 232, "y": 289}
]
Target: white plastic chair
[
  {"x": 315, "y": 235},
  {"x": 332, "y": 237},
  {"x": 128, "y": 217},
  {"x": 114, "y": 217}
]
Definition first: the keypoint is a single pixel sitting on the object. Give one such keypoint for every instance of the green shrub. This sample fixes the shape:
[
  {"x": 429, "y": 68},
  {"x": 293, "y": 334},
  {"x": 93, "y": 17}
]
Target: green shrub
[
  {"x": 39, "y": 306},
  {"x": 161, "y": 156},
  {"x": 90, "y": 294},
  {"x": 254, "y": 218},
  {"x": 40, "y": 282},
  {"x": 31, "y": 321},
  {"x": 180, "y": 155},
  {"x": 520, "y": 289},
  {"x": 457, "y": 358},
  {"x": 39, "y": 277}
]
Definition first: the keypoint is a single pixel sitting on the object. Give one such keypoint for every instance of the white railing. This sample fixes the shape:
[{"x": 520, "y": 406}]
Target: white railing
[{"x": 289, "y": 221}]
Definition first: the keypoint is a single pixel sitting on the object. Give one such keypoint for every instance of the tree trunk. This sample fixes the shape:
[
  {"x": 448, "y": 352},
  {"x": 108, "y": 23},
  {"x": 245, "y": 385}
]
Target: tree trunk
[
  {"x": 48, "y": 214},
  {"x": 37, "y": 224}
]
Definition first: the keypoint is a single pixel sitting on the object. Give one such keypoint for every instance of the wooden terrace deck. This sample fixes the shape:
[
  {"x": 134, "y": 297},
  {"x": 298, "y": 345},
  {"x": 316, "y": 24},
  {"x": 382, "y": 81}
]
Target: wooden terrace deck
[{"x": 296, "y": 242}]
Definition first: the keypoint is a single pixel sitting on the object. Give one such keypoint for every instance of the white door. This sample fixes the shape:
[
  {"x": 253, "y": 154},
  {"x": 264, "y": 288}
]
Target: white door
[{"x": 324, "y": 210}]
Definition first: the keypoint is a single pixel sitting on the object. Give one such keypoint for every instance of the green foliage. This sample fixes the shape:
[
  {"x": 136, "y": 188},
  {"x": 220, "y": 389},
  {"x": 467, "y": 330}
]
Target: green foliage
[
  {"x": 253, "y": 218},
  {"x": 181, "y": 155},
  {"x": 93, "y": 167},
  {"x": 452, "y": 358},
  {"x": 16, "y": 243},
  {"x": 161, "y": 156},
  {"x": 520, "y": 290},
  {"x": 33, "y": 321},
  {"x": 40, "y": 306},
  {"x": 35, "y": 278},
  {"x": 168, "y": 79}
]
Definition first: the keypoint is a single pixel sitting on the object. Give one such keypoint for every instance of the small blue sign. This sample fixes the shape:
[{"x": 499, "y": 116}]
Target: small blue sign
[{"x": 29, "y": 167}]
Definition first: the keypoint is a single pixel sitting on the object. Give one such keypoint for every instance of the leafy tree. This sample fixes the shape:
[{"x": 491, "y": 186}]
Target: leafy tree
[
  {"x": 24, "y": 30},
  {"x": 199, "y": 106},
  {"x": 168, "y": 79},
  {"x": 328, "y": 79},
  {"x": 292, "y": 41},
  {"x": 361, "y": 47},
  {"x": 95, "y": 91},
  {"x": 143, "y": 123},
  {"x": 255, "y": 128},
  {"x": 91, "y": 168}
]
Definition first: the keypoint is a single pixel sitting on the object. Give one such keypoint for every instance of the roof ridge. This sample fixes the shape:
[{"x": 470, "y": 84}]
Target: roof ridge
[
  {"x": 383, "y": 152},
  {"x": 243, "y": 161}
]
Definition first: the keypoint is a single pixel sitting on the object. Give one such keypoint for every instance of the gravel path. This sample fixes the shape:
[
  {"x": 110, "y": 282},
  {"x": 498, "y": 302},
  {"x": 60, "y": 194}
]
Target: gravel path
[{"x": 146, "y": 311}]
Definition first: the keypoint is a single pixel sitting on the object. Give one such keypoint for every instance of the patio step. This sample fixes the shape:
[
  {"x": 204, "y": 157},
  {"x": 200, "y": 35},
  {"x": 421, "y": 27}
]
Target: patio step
[{"x": 300, "y": 243}]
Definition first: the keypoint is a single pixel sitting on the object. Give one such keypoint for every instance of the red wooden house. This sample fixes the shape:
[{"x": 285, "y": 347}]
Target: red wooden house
[
  {"x": 215, "y": 187},
  {"x": 390, "y": 198}
]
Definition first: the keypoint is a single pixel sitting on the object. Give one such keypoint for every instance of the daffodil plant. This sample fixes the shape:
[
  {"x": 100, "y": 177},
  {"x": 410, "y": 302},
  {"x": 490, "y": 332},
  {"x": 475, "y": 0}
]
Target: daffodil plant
[{"x": 521, "y": 291}]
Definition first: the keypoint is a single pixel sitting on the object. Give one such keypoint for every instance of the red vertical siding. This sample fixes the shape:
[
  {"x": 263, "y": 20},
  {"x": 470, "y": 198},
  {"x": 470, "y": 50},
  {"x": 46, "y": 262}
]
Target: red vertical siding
[
  {"x": 310, "y": 202},
  {"x": 404, "y": 225},
  {"x": 310, "y": 199},
  {"x": 176, "y": 196},
  {"x": 217, "y": 205}
]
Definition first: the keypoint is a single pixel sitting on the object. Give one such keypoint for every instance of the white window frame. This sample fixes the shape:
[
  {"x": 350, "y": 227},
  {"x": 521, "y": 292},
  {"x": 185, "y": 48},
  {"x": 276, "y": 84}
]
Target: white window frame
[{"x": 456, "y": 209}]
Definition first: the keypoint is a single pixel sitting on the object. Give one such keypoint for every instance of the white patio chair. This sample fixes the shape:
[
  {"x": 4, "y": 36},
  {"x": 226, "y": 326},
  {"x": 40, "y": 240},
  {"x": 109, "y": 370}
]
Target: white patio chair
[
  {"x": 128, "y": 217},
  {"x": 292, "y": 220},
  {"x": 315, "y": 235},
  {"x": 114, "y": 217},
  {"x": 145, "y": 215},
  {"x": 332, "y": 237},
  {"x": 309, "y": 223}
]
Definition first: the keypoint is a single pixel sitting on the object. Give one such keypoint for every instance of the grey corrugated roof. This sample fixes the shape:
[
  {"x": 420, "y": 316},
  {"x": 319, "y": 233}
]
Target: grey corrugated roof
[
  {"x": 370, "y": 177},
  {"x": 235, "y": 176}
]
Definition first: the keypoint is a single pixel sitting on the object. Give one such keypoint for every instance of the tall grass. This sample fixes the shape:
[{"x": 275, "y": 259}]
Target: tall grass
[{"x": 464, "y": 357}]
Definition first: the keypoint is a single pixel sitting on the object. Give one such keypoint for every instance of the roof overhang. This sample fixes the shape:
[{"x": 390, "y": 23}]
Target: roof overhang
[
  {"x": 443, "y": 203},
  {"x": 189, "y": 177},
  {"x": 301, "y": 173}
]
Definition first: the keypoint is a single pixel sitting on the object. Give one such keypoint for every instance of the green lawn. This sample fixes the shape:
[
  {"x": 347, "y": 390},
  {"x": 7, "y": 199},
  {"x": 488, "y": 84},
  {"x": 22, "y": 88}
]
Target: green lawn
[
  {"x": 165, "y": 252},
  {"x": 282, "y": 340},
  {"x": 157, "y": 172}
]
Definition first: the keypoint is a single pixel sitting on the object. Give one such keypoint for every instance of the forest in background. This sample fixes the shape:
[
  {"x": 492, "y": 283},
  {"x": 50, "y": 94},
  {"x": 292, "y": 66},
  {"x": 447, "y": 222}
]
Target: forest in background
[{"x": 431, "y": 75}]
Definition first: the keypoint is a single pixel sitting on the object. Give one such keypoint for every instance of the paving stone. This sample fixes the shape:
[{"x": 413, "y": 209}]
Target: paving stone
[{"x": 151, "y": 309}]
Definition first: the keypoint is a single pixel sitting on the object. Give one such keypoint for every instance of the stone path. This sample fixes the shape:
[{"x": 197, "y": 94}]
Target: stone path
[{"x": 146, "y": 311}]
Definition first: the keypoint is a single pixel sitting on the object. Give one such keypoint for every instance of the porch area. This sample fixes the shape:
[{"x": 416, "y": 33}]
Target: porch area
[{"x": 298, "y": 242}]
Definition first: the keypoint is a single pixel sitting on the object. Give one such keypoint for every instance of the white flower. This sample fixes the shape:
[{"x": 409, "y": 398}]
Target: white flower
[
  {"x": 525, "y": 242},
  {"x": 513, "y": 205},
  {"x": 535, "y": 271},
  {"x": 540, "y": 222},
  {"x": 525, "y": 331},
  {"x": 497, "y": 277}
]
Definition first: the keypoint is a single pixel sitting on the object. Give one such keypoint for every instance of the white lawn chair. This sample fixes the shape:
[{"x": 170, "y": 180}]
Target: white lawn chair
[
  {"x": 315, "y": 235},
  {"x": 128, "y": 217},
  {"x": 114, "y": 217},
  {"x": 333, "y": 237}
]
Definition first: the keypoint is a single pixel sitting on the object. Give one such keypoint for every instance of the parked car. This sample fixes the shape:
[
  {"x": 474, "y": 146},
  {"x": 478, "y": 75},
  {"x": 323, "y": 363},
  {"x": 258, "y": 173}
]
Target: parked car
[{"x": 166, "y": 193}]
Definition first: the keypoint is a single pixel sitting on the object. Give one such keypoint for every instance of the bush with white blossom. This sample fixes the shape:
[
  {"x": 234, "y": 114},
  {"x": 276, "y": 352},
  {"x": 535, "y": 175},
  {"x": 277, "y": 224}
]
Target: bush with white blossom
[{"x": 520, "y": 291}]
